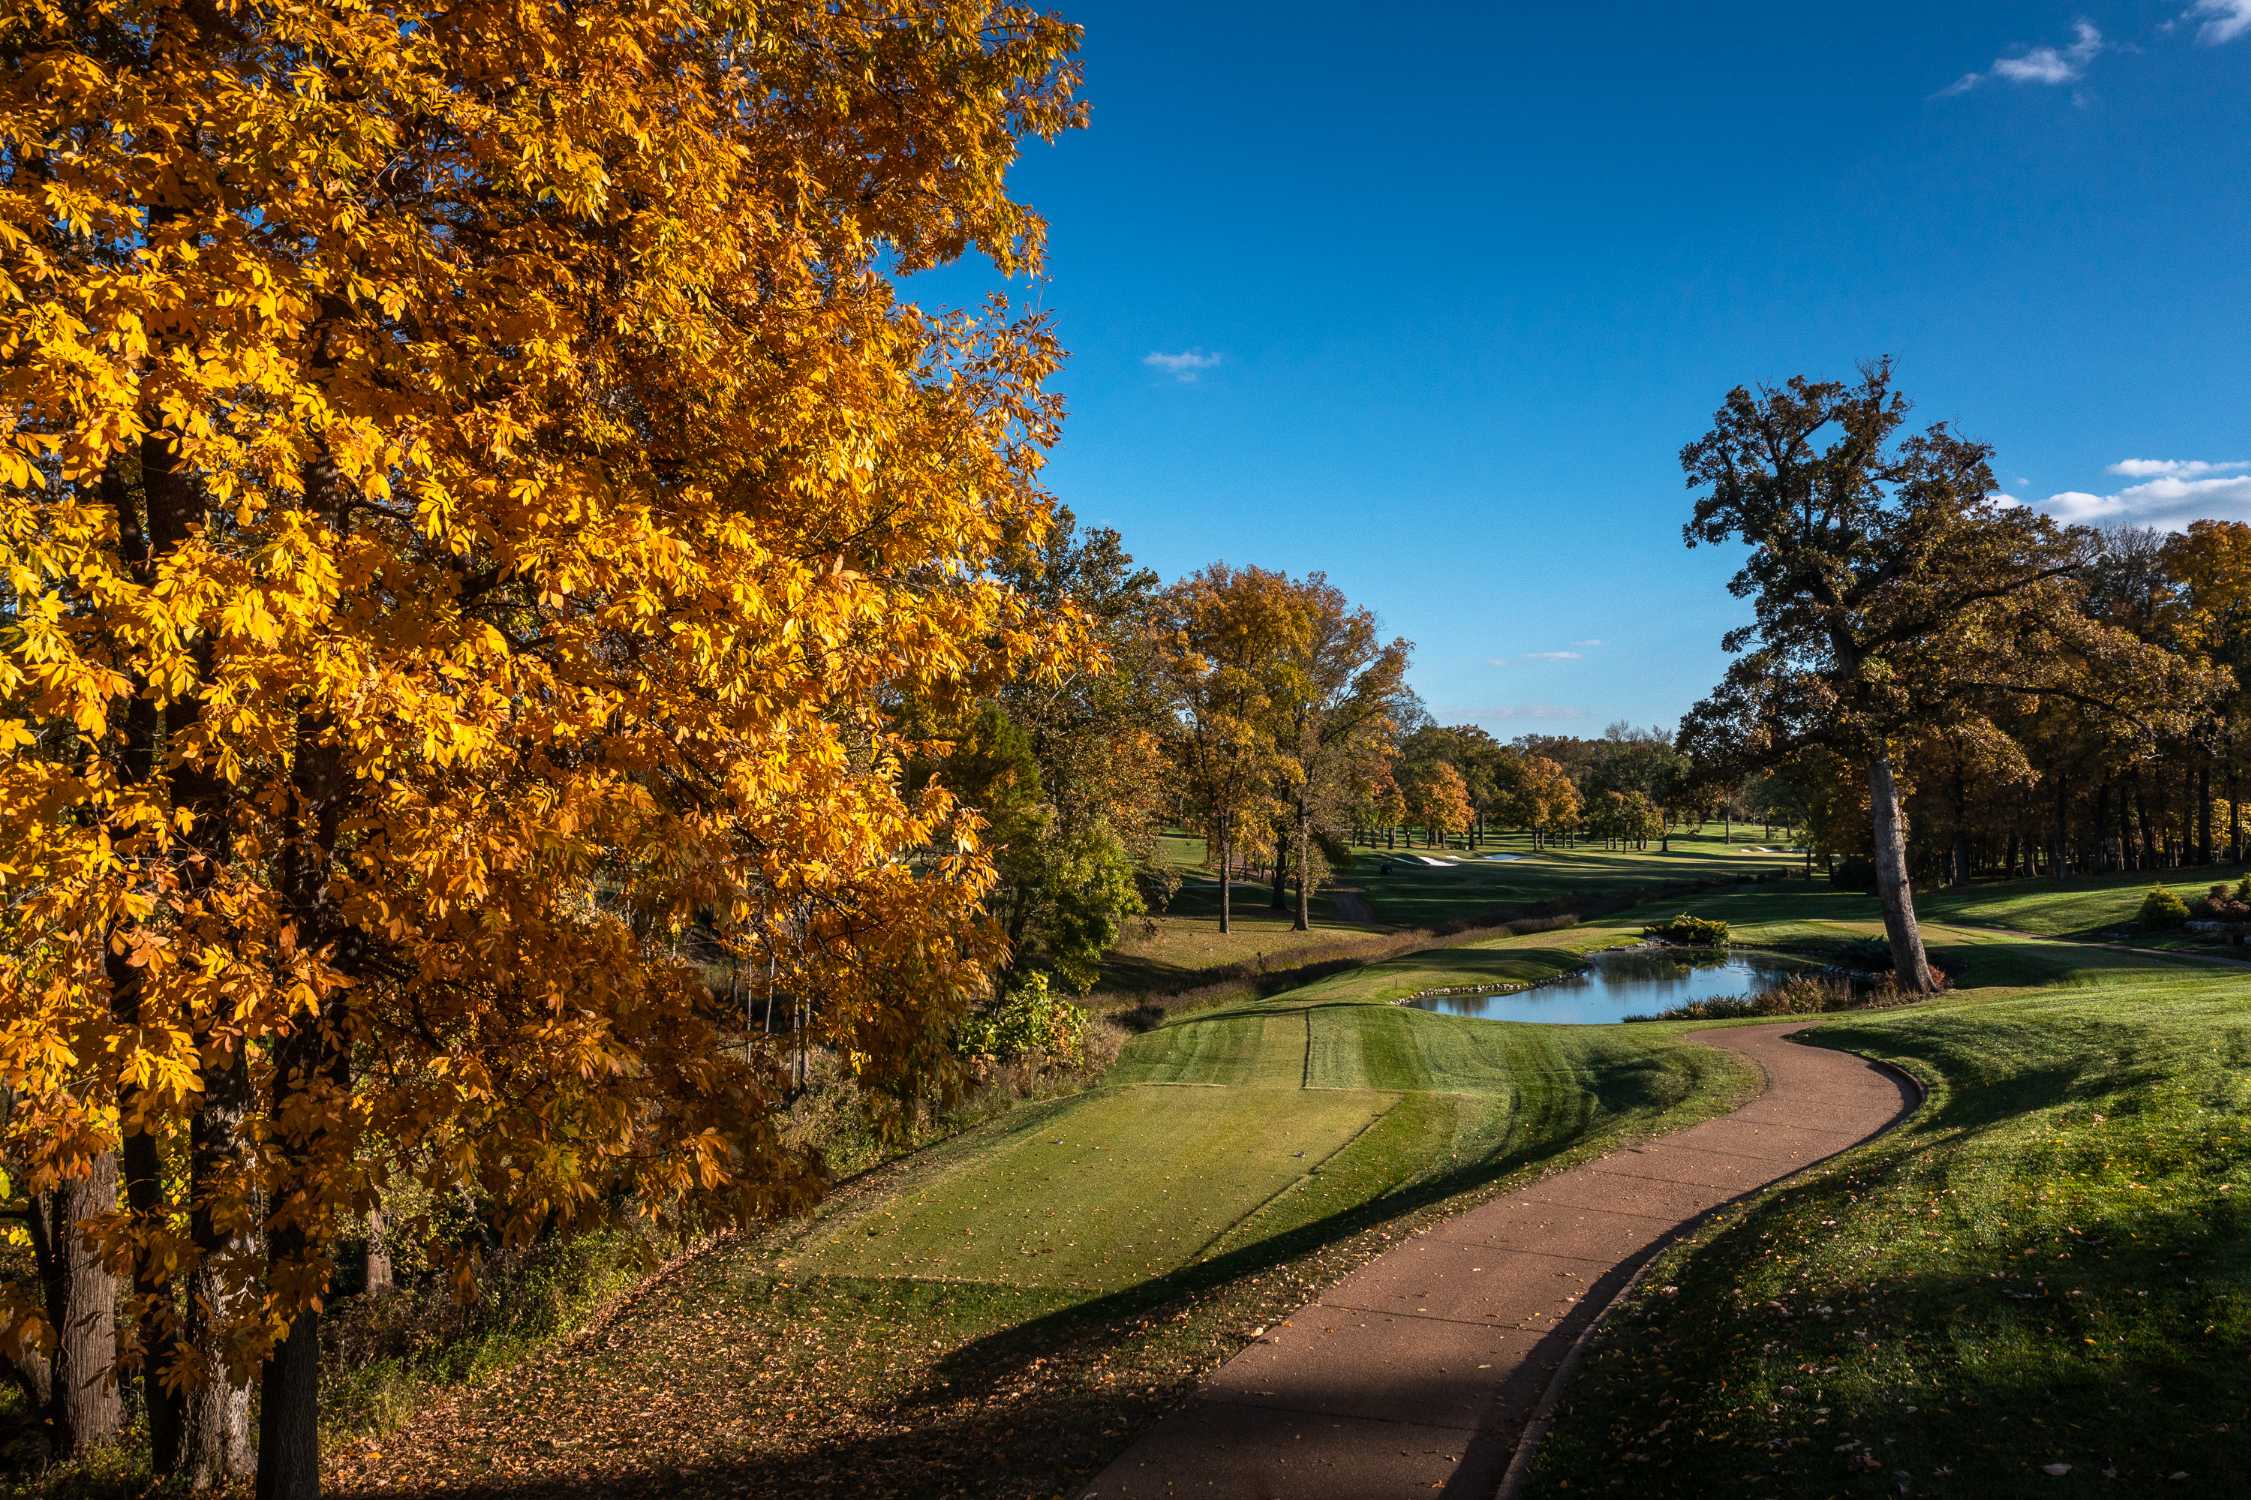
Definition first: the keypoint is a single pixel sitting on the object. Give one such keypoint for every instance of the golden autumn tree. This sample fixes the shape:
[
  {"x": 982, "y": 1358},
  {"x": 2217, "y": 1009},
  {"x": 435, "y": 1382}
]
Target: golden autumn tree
[
  {"x": 1232, "y": 634},
  {"x": 473, "y": 493}
]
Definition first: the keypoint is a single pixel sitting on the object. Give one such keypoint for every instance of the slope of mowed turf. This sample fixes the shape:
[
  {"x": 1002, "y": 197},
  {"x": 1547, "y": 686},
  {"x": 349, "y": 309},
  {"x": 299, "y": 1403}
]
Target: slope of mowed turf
[
  {"x": 1400, "y": 889},
  {"x": 2040, "y": 1285},
  {"x": 1131, "y": 1184}
]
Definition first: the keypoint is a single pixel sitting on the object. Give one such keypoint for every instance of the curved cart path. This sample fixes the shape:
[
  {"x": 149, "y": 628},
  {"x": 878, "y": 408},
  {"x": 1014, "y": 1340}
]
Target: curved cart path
[{"x": 1419, "y": 1373}]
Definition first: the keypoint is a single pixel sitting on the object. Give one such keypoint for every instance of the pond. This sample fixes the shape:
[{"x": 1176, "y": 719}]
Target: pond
[
  {"x": 1627, "y": 982},
  {"x": 1505, "y": 859}
]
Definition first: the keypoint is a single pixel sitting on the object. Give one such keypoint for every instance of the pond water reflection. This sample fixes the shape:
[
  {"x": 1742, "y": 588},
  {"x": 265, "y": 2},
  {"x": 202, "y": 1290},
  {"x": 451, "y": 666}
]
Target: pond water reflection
[{"x": 1627, "y": 982}]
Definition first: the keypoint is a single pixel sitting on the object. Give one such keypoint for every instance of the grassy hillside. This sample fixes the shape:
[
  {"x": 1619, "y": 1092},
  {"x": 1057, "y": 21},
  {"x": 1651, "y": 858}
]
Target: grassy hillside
[{"x": 2040, "y": 1286}]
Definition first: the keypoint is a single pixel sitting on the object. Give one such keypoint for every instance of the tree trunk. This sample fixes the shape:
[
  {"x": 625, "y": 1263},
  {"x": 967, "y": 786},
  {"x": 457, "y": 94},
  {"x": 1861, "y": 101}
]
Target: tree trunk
[
  {"x": 1961, "y": 831},
  {"x": 215, "y": 1416},
  {"x": 1281, "y": 901},
  {"x": 2149, "y": 859},
  {"x": 81, "y": 1296},
  {"x": 1226, "y": 905},
  {"x": 2062, "y": 830},
  {"x": 375, "y": 1255},
  {"x": 289, "y": 1415},
  {"x": 1304, "y": 922},
  {"x": 1910, "y": 966},
  {"x": 2235, "y": 813},
  {"x": 2204, "y": 810}
]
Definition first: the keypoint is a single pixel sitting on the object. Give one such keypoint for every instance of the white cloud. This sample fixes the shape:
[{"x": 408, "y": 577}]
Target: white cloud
[
  {"x": 2046, "y": 66},
  {"x": 2176, "y": 468},
  {"x": 1586, "y": 643},
  {"x": 1187, "y": 367},
  {"x": 1555, "y": 656},
  {"x": 2168, "y": 502},
  {"x": 2054, "y": 65},
  {"x": 2224, "y": 20}
]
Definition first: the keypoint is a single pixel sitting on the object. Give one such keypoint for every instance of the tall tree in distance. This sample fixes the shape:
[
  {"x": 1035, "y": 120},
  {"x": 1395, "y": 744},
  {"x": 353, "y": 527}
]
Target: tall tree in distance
[
  {"x": 1892, "y": 592},
  {"x": 1437, "y": 798},
  {"x": 1543, "y": 800},
  {"x": 1233, "y": 634},
  {"x": 1338, "y": 693}
]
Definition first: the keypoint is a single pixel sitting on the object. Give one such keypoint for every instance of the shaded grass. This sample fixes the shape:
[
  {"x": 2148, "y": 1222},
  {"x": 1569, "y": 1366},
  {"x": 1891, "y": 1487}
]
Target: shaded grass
[{"x": 2051, "y": 1265}]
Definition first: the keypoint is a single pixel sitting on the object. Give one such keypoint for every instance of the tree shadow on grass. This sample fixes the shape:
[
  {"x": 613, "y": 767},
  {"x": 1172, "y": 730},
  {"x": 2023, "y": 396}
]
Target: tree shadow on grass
[
  {"x": 1968, "y": 1376},
  {"x": 1036, "y": 1407}
]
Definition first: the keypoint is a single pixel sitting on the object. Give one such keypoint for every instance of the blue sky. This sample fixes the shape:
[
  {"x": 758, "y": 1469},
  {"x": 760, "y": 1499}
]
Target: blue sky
[{"x": 1436, "y": 292}]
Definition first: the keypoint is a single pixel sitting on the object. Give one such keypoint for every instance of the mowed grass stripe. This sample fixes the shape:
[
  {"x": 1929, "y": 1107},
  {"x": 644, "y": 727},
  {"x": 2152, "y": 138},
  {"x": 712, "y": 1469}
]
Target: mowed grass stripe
[{"x": 1130, "y": 1184}]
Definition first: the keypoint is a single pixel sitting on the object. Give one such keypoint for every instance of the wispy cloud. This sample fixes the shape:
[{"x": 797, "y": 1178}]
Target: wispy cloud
[
  {"x": 1588, "y": 644},
  {"x": 1187, "y": 367},
  {"x": 1555, "y": 656},
  {"x": 2045, "y": 66},
  {"x": 2172, "y": 493},
  {"x": 2223, "y": 20},
  {"x": 2177, "y": 468}
]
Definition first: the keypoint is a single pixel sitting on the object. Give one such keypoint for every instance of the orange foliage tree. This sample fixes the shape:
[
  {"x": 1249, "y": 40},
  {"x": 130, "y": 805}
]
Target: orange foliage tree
[{"x": 472, "y": 495}]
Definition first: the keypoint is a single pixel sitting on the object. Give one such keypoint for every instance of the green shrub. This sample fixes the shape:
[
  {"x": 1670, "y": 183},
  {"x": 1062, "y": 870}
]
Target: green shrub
[
  {"x": 1694, "y": 932},
  {"x": 2161, "y": 909},
  {"x": 1029, "y": 1021}
]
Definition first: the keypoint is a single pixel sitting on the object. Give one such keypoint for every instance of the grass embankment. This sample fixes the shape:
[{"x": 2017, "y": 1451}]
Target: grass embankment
[
  {"x": 2041, "y": 1285},
  {"x": 995, "y": 1316}
]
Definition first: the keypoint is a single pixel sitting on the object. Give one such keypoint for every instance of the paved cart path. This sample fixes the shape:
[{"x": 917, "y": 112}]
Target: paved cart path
[{"x": 1418, "y": 1374}]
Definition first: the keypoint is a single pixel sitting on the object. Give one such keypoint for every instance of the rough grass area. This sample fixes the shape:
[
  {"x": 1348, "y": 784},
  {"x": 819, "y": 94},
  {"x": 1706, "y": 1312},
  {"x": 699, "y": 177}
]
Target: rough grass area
[
  {"x": 996, "y": 1316},
  {"x": 2040, "y": 1286}
]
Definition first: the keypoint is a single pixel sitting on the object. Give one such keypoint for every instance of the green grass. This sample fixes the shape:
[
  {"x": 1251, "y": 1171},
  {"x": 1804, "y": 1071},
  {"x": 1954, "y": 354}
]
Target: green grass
[
  {"x": 2050, "y": 1265},
  {"x": 1403, "y": 891},
  {"x": 999, "y": 1313},
  {"x": 1131, "y": 1184},
  {"x": 2085, "y": 907}
]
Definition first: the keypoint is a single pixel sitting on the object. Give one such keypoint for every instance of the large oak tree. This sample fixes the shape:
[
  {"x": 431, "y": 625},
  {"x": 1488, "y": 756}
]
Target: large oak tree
[{"x": 1894, "y": 593}]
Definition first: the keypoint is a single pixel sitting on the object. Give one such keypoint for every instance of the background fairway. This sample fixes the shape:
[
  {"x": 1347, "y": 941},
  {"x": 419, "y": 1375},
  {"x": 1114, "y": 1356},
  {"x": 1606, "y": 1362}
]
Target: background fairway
[
  {"x": 1386, "y": 892},
  {"x": 1402, "y": 891}
]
